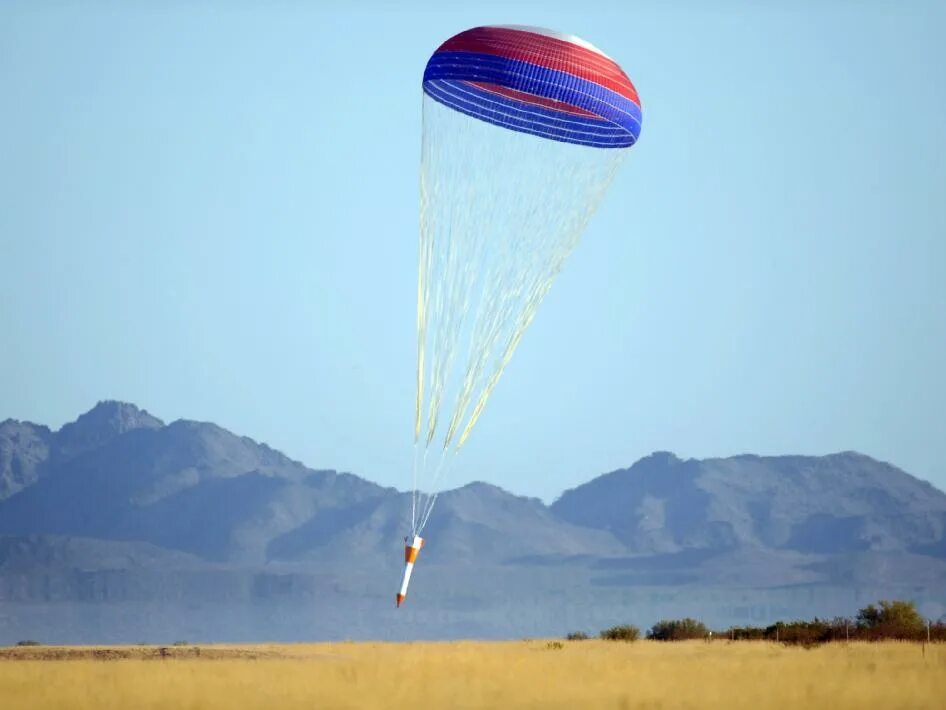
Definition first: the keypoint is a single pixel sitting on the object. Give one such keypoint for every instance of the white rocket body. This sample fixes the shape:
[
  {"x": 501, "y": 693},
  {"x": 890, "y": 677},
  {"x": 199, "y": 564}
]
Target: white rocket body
[{"x": 411, "y": 550}]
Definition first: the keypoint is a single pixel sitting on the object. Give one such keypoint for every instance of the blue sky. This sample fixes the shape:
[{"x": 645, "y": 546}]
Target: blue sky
[{"x": 211, "y": 211}]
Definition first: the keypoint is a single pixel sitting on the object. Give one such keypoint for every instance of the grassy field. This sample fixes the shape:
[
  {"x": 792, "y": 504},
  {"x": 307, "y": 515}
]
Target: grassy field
[{"x": 523, "y": 674}]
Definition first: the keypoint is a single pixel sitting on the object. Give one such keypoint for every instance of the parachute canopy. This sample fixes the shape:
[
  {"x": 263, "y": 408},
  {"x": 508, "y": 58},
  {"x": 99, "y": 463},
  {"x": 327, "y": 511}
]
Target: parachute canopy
[
  {"x": 523, "y": 130},
  {"x": 536, "y": 81}
]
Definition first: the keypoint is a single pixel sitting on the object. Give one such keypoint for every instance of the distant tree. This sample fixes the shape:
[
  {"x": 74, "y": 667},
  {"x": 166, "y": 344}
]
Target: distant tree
[
  {"x": 743, "y": 633},
  {"x": 28, "y": 642},
  {"x": 577, "y": 636},
  {"x": 885, "y": 620},
  {"x": 891, "y": 619},
  {"x": 802, "y": 633},
  {"x": 842, "y": 629},
  {"x": 624, "y": 632},
  {"x": 678, "y": 630}
]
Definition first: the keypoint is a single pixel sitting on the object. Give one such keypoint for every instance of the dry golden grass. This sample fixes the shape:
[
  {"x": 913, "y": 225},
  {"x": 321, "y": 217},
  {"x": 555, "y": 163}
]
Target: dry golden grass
[{"x": 524, "y": 674}]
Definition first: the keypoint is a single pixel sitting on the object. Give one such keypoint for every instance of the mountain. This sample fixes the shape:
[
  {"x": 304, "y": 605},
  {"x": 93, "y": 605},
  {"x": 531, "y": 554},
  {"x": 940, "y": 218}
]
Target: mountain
[
  {"x": 24, "y": 449},
  {"x": 100, "y": 425},
  {"x": 840, "y": 503},
  {"x": 119, "y": 474},
  {"x": 28, "y": 450},
  {"x": 476, "y": 522},
  {"x": 189, "y": 530}
]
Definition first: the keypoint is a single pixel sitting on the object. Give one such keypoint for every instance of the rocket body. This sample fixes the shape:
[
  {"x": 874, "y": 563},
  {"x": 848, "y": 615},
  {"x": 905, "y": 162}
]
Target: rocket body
[{"x": 411, "y": 550}]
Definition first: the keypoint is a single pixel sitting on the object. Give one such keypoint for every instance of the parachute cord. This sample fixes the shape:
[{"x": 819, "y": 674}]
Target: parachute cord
[
  {"x": 421, "y": 496},
  {"x": 414, "y": 494},
  {"x": 500, "y": 212},
  {"x": 431, "y": 496},
  {"x": 430, "y": 509},
  {"x": 447, "y": 458}
]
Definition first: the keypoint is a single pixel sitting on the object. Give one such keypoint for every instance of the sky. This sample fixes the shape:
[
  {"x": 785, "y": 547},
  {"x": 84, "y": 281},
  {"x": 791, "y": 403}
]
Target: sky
[{"x": 211, "y": 210}]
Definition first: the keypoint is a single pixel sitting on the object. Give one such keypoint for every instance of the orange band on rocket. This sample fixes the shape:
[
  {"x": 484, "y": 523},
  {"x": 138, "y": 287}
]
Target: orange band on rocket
[{"x": 410, "y": 557}]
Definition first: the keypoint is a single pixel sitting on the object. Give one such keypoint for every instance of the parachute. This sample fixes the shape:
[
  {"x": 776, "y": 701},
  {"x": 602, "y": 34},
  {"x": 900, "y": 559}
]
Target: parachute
[{"x": 523, "y": 130}]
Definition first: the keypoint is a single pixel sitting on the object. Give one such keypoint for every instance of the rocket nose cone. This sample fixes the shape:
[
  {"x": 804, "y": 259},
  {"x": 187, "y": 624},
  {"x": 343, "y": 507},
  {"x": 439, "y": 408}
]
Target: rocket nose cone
[{"x": 400, "y": 598}]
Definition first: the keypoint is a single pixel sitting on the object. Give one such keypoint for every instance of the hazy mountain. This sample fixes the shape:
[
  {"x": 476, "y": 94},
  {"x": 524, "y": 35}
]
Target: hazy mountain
[
  {"x": 24, "y": 449},
  {"x": 118, "y": 508},
  {"x": 100, "y": 425},
  {"x": 478, "y": 521},
  {"x": 840, "y": 503},
  {"x": 32, "y": 553},
  {"x": 197, "y": 488},
  {"x": 188, "y": 486},
  {"x": 27, "y": 450}
]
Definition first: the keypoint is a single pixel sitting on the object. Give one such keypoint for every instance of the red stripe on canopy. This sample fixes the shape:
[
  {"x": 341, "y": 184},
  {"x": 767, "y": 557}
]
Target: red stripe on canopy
[{"x": 549, "y": 52}]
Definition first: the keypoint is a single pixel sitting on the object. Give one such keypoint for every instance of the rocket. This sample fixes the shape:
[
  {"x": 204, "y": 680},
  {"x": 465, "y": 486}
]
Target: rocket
[{"x": 411, "y": 550}]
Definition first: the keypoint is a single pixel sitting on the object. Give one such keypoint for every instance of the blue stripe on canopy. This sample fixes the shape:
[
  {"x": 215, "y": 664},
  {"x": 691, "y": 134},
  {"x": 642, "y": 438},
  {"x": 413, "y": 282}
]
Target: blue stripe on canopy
[
  {"x": 528, "y": 118},
  {"x": 447, "y": 72}
]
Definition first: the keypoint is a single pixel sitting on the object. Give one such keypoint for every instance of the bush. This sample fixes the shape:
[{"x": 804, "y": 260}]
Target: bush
[
  {"x": 577, "y": 636},
  {"x": 678, "y": 630},
  {"x": 801, "y": 633},
  {"x": 625, "y": 632},
  {"x": 742, "y": 633},
  {"x": 555, "y": 645},
  {"x": 841, "y": 629},
  {"x": 891, "y": 620},
  {"x": 28, "y": 642},
  {"x": 885, "y": 620}
]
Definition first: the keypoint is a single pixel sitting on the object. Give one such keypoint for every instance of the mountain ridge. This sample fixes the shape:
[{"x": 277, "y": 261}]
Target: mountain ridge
[{"x": 125, "y": 508}]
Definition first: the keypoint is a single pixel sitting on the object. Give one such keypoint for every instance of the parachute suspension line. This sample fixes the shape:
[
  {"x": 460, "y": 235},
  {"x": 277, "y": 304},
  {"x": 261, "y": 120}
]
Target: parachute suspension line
[
  {"x": 423, "y": 299},
  {"x": 536, "y": 292},
  {"x": 421, "y": 496},
  {"x": 414, "y": 492},
  {"x": 451, "y": 305},
  {"x": 426, "y": 499},
  {"x": 447, "y": 458},
  {"x": 500, "y": 213},
  {"x": 519, "y": 275},
  {"x": 459, "y": 250}
]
